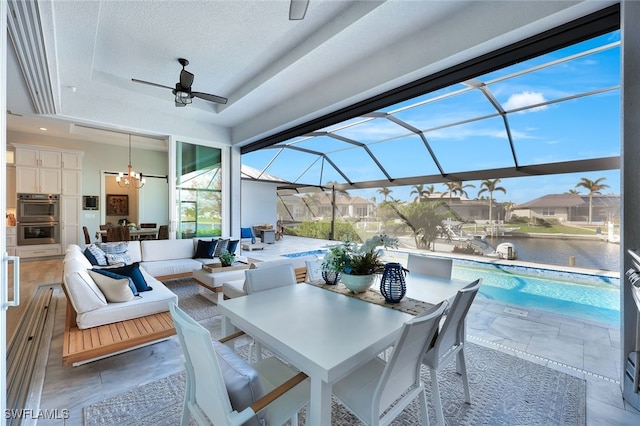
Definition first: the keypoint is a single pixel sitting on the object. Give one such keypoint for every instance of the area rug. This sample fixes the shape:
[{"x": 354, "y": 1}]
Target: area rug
[
  {"x": 196, "y": 305},
  {"x": 505, "y": 390}
]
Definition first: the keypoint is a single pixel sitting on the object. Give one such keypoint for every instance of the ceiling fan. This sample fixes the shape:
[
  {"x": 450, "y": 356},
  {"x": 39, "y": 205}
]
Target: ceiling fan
[{"x": 182, "y": 91}]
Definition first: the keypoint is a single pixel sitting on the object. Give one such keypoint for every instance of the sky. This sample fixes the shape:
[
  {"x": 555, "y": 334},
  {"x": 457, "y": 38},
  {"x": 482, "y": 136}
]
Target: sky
[{"x": 562, "y": 106}]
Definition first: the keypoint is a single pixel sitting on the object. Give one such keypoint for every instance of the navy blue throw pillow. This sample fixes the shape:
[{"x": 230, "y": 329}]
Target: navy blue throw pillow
[
  {"x": 232, "y": 246},
  {"x": 133, "y": 271},
  {"x": 108, "y": 273},
  {"x": 205, "y": 249}
]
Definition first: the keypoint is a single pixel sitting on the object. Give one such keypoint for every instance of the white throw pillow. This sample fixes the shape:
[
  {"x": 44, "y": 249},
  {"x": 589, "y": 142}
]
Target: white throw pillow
[{"x": 115, "y": 290}]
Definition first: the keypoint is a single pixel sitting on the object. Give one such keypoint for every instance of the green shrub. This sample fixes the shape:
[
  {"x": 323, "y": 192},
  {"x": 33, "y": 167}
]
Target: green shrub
[{"x": 342, "y": 231}]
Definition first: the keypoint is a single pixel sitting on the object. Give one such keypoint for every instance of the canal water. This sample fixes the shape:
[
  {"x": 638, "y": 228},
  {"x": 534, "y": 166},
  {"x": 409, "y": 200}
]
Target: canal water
[{"x": 588, "y": 254}]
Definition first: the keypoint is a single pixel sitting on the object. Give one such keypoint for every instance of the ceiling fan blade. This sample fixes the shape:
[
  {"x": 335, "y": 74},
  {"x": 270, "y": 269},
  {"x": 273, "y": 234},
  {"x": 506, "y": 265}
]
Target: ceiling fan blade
[
  {"x": 135, "y": 80},
  {"x": 186, "y": 79},
  {"x": 297, "y": 9},
  {"x": 208, "y": 97}
]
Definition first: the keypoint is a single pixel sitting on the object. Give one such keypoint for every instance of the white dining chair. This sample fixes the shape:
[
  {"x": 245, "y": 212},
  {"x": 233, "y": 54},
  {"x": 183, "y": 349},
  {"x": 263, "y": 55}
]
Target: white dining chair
[
  {"x": 261, "y": 279},
  {"x": 428, "y": 265},
  {"x": 449, "y": 343},
  {"x": 222, "y": 389},
  {"x": 371, "y": 390}
]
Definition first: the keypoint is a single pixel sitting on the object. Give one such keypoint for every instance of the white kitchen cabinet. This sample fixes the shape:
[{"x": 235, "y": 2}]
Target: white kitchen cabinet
[
  {"x": 12, "y": 240},
  {"x": 39, "y": 250},
  {"x": 71, "y": 160},
  {"x": 70, "y": 226},
  {"x": 38, "y": 157},
  {"x": 38, "y": 180},
  {"x": 71, "y": 182}
]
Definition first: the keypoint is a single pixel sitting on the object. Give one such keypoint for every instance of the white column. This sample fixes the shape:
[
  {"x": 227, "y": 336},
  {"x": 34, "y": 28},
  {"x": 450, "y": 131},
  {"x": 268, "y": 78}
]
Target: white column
[{"x": 630, "y": 169}]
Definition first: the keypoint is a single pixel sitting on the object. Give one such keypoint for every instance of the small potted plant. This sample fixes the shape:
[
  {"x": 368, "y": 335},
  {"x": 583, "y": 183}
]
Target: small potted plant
[
  {"x": 227, "y": 258},
  {"x": 358, "y": 264}
]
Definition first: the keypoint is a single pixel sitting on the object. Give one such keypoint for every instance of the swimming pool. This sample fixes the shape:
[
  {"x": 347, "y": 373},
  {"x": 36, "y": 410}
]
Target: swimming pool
[{"x": 582, "y": 296}]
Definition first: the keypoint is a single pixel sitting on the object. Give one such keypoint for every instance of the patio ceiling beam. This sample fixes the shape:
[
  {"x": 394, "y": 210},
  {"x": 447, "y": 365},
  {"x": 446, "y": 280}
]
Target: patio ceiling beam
[
  {"x": 420, "y": 133},
  {"x": 361, "y": 145},
  {"x": 482, "y": 87},
  {"x": 590, "y": 165},
  {"x": 312, "y": 152}
]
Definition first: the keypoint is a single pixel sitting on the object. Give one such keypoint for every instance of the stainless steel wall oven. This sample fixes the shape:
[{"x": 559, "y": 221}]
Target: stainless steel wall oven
[{"x": 38, "y": 219}]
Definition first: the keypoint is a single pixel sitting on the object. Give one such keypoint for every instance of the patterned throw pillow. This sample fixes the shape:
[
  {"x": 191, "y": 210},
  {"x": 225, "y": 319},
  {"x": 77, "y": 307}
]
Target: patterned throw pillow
[
  {"x": 117, "y": 247},
  {"x": 122, "y": 258},
  {"x": 221, "y": 246},
  {"x": 95, "y": 255}
]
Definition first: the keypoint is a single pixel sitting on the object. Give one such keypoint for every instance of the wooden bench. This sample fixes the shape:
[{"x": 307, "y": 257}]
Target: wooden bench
[{"x": 82, "y": 346}]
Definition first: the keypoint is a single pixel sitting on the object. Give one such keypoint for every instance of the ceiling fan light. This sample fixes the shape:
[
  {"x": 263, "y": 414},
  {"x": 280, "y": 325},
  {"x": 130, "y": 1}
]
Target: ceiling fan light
[{"x": 183, "y": 98}]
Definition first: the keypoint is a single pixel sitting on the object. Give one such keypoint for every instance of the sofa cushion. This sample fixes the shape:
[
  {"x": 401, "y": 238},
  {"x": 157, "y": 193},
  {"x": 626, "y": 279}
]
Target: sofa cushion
[
  {"x": 153, "y": 250},
  {"x": 115, "y": 290},
  {"x": 241, "y": 380},
  {"x": 84, "y": 293},
  {"x": 205, "y": 249},
  {"x": 95, "y": 255},
  {"x": 133, "y": 271},
  {"x": 233, "y": 288},
  {"x": 107, "y": 273},
  {"x": 163, "y": 268}
]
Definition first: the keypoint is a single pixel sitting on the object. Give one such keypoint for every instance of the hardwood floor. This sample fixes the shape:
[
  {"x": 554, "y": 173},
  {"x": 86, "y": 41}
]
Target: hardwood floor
[{"x": 33, "y": 273}]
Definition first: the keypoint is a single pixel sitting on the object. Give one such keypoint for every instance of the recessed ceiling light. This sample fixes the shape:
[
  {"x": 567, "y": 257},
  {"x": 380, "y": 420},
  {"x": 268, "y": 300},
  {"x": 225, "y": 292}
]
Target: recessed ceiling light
[{"x": 44, "y": 129}]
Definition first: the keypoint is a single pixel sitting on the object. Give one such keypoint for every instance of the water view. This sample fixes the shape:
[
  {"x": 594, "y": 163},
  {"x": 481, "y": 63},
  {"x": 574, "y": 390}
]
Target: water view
[{"x": 587, "y": 253}]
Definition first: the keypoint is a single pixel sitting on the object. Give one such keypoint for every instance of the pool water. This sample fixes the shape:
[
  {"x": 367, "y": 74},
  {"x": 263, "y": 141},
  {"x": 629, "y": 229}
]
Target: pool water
[{"x": 587, "y": 297}]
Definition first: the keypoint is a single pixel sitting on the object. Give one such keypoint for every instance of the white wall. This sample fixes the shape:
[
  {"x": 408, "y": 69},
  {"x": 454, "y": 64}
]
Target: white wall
[{"x": 258, "y": 201}]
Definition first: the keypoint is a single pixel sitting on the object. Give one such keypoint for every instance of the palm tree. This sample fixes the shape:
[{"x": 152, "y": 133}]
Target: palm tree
[
  {"x": 430, "y": 190},
  {"x": 460, "y": 186},
  {"x": 572, "y": 191},
  {"x": 385, "y": 192},
  {"x": 490, "y": 186},
  {"x": 456, "y": 187},
  {"x": 419, "y": 191},
  {"x": 594, "y": 187}
]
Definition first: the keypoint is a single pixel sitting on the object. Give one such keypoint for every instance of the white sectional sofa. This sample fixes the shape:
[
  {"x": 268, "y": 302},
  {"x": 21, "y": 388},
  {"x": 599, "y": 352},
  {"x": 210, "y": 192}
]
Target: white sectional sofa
[
  {"x": 127, "y": 323},
  {"x": 90, "y": 304}
]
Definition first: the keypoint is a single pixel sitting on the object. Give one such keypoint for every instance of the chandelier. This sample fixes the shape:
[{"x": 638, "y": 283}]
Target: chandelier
[{"x": 131, "y": 178}]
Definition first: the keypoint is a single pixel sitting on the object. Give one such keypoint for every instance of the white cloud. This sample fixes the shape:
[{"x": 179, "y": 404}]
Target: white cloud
[{"x": 520, "y": 100}]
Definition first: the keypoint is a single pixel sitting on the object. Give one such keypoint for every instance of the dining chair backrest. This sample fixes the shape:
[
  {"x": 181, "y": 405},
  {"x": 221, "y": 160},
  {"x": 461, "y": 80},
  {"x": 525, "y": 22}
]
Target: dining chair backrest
[
  {"x": 209, "y": 397},
  {"x": 402, "y": 371},
  {"x": 261, "y": 279},
  {"x": 427, "y": 265},
  {"x": 163, "y": 232},
  {"x": 452, "y": 332},
  {"x": 87, "y": 238},
  {"x": 118, "y": 233}
]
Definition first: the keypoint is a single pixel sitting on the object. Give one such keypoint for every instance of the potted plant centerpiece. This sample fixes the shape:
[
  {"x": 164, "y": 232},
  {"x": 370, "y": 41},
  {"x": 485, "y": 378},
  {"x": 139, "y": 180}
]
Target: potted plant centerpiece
[
  {"x": 358, "y": 264},
  {"x": 227, "y": 258}
]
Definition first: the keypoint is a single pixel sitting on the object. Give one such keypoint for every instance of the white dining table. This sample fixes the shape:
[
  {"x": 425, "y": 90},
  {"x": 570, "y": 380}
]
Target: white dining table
[
  {"x": 326, "y": 335},
  {"x": 432, "y": 289},
  {"x": 135, "y": 234}
]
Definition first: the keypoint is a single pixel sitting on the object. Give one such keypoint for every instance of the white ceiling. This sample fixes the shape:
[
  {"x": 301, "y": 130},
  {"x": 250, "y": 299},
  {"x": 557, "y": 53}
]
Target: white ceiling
[{"x": 276, "y": 73}]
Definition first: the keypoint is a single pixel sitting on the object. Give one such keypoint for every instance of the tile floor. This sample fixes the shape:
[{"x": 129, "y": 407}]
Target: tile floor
[{"x": 587, "y": 350}]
